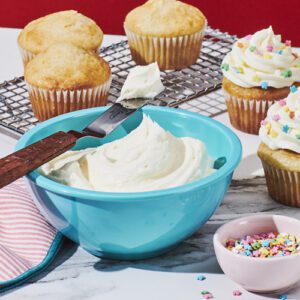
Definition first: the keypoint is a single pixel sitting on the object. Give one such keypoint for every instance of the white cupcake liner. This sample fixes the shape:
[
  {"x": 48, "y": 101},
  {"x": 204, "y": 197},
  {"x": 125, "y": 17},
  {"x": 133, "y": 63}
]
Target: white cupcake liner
[
  {"x": 283, "y": 185},
  {"x": 50, "y": 103},
  {"x": 171, "y": 53},
  {"x": 246, "y": 115}
]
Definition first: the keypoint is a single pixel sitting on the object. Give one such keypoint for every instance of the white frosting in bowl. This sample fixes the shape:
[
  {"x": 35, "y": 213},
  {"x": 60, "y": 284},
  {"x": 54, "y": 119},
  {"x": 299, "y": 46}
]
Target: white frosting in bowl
[
  {"x": 262, "y": 60},
  {"x": 281, "y": 128},
  {"x": 148, "y": 158}
]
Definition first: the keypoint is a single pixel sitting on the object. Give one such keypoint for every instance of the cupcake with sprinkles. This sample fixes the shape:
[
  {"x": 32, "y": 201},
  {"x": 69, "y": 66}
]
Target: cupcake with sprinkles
[
  {"x": 280, "y": 149},
  {"x": 257, "y": 72}
]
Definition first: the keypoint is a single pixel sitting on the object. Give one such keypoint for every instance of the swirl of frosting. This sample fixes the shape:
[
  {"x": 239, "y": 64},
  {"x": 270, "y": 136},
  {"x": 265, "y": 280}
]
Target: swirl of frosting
[
  {"x": 281, "y": 128},
  {"x": 148, "y": 158},
  {"x": 262, "y": 60}
]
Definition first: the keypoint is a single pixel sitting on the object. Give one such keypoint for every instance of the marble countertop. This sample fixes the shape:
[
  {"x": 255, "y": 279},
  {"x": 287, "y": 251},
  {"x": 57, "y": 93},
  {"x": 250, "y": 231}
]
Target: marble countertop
[{"x": 76, "y": 274}]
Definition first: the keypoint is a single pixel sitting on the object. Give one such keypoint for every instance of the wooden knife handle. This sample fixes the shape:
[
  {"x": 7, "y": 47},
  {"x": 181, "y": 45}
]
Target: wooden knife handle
[{"x": 27, "y": 159}]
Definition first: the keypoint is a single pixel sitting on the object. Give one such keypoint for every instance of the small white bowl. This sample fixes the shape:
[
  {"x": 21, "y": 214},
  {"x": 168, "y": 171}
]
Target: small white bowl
[{"x": 261, "y": 275}]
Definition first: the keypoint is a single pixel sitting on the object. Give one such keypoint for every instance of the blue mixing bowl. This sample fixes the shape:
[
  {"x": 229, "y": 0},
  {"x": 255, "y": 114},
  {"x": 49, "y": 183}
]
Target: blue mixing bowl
[{"x": 135, "y": 225}]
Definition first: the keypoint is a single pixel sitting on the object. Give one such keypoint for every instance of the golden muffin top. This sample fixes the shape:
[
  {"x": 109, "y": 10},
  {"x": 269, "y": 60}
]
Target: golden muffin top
[
  {"x": 254, "y": 92},
  {"x": 165, "y": 18},
  {"x": 280, "y": 158},
  {"x": 65, "y": 66},
  {"x": 64, "y": 26}
]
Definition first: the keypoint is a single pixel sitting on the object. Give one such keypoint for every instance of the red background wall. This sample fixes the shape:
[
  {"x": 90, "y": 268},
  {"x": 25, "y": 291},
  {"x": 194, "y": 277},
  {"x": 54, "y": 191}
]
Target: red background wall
[{"x": 234, "y": 16}]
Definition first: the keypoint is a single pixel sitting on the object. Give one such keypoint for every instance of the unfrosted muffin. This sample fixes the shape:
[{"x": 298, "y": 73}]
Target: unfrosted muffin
[
  {"x": 257, "y": 72},
  {"x": 64, "y": 26},
  {"x": 167, "y": 31},
  {"x": 280, "y": 149},
  {"x": 65, "y": 78}
]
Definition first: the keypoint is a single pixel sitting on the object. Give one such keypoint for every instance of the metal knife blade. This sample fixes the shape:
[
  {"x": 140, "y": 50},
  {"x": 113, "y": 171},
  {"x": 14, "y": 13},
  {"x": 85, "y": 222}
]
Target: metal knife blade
[{"x": 114, "y": 116}]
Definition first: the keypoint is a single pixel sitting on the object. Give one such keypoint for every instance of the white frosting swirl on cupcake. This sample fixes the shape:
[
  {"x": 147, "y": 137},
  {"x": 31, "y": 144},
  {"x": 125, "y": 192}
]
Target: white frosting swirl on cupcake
[
  {"x": 281, "y": 128},
  {"x": 262, "y": 60}
]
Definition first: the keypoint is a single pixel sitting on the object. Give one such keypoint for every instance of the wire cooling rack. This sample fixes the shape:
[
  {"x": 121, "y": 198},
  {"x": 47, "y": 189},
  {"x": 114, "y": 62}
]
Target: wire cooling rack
[{"x": 195, "y": 88}]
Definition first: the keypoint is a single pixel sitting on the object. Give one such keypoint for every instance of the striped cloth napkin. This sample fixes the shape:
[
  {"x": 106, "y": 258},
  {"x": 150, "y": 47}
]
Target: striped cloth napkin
[{"x": 28, "y": 243}]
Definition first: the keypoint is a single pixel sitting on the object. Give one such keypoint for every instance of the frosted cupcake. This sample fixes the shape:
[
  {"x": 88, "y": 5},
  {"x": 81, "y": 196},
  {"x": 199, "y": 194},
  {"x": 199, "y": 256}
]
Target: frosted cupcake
[
  {"x": 64, "y": 26},
  {"x": 257, "y": 72},
  {"x": 65, "y": 78},
  {"x": 169, "y": 32},
  {"x": 280, "y": 149}
]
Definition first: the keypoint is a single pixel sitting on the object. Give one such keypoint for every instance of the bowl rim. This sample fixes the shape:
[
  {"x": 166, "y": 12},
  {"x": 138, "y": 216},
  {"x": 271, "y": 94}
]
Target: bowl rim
[
  {"x": 58, "y": 188},
  {"x": 217, "y": 242}
]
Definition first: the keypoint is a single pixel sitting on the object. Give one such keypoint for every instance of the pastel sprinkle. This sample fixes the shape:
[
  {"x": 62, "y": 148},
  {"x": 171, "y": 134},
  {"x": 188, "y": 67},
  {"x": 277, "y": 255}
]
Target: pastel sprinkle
[
  {"x": 205, "y": 292},
  {"x": 298, "y": 136},
  {"x": 248, "y": 37},
  {"x": 293, "y": 89},
  {"x": 208, "y": 296},
  {"x": 265, "y": 245},
  {"x": 264, "y": 85},
  {"x": 225, "y": 67},
  {"x": 288, "y": 43},
  {"x": 283, "y": 297},
  {"x": 286, "y": 73},
  {"x": 201, "y": 277},
  {"x": 282, "y": 102},
  {"x": 236, "y": 293},
  {"x": 240, "y": 45},
  {"x": 252, "y": 48},
  {"x": 292, "y": 114},
  {"x": 274, "y": 135},
  {"x": 256, "y": 78},
  {"x": 263, "y": 122},
  {"x": 276, "y": 118},
  {"x": 240, "y": 70},
  {"x": 285, "y": 128},
  {"x": 286, "y": 109},
  {"x": 268, "y": 127},
  {"x": 279, "y": 52},
  {"x": 267, "y": 56},
  {"x": 247, "y": 247},
  {"x": 269, "y": 48}
]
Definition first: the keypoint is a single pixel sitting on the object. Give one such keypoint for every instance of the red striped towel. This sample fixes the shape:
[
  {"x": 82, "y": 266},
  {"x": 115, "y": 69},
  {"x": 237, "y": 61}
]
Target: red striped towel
[{"x": 25, "y": 235}]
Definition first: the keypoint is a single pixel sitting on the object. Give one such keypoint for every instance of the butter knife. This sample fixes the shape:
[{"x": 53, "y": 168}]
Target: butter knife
[{"x": 33, "y": 156}]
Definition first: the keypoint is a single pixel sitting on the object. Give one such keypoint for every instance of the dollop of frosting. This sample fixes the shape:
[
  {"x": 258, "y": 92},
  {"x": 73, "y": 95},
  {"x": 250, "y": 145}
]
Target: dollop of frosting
[
  {"x": 142, "y": 82},
  {"x": 148, "y": 158},
  {"x": 281, "y": 128},
  {"x": 262, "y": 60}
]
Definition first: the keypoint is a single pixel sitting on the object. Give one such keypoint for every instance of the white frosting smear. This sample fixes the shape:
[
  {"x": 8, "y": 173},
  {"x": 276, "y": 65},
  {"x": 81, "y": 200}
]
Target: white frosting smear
[
  {"x": 148, "y": 158},
  {"x": 262, "y": 60},
  {"x": 142, "y": 82},
  {"x": 281, "y": 128}
]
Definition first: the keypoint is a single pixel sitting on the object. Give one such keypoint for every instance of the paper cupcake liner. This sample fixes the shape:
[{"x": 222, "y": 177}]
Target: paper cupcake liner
[
  {"x": 50, "y": 103},
  {"x": 171, "y": 53},
  {"x": 246, "y": 115},
  {"x": 283, "y": 185}
]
